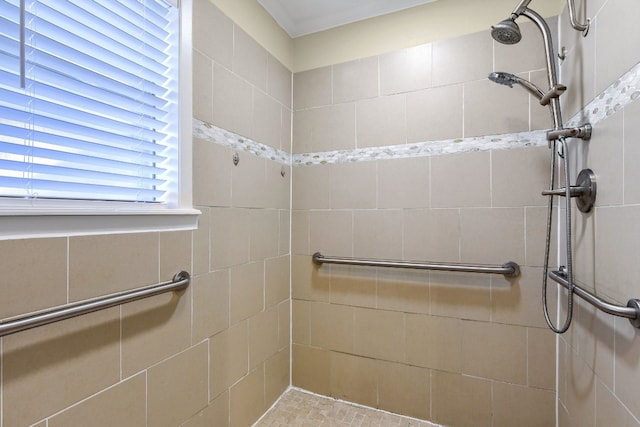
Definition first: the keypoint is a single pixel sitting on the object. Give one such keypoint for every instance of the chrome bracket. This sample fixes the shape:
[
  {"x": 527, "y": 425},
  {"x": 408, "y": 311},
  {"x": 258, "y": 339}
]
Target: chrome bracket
[{"x": 635, "y": 304}]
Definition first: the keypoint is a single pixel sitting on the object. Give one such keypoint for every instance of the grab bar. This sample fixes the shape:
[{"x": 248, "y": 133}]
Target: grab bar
[
  {"x": 631, "y": 311},
  {"x": 21, "y": 323},
  {"x": 510, "y": 269}
]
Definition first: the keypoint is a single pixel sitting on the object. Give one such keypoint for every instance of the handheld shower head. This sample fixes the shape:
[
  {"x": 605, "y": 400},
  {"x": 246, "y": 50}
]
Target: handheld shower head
[
  {"x": 506, "y": 32},
  {"x": 509, "y": 79}
]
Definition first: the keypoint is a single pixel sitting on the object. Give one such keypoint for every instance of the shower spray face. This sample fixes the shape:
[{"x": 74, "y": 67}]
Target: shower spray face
[{"x": 506, "y": 32}]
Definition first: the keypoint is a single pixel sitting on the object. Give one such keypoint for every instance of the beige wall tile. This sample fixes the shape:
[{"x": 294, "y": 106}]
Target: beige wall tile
[
  {"x": 230, "y": 234},
  {"x": 277, "y": 187},
  {"x": 515, "y": 186},
  {"x": 210, "y": 304},
  {"x": 331, "y": 232},
  {"x": 612, "y": 38},
  {"x": 540, "y": 117},
  {"x": 246, "y": 399},
  {"x": 355, "y": 80},
  {"x": 267, "y": 123},
  {"x": 263, "y": 336},
  {"x": 286, "y": 134},
  {"x": 248, "y": 182},
  {"x": 284, "y": 324},
  {"x": 435, "y": 113},
  {"x": 213, "y": 32},
  {"x": 517, "y": 301},
  {"x": 265, "y": 228},
  {"x": 212, "y": 166},
  {"x": 203, "y": 82},
  {"x": 631, "y": 154},
  {"x": 229, "y": 357},
  {"x": 480, "y": 358},
  {"x": 405, "y": 70},
  {"x": 460, "y": 400},
  {"x": 232, "y": 101},
  {"x": 311, "y": 369},
  {"x": 123, "y": 404},
  {"x": 460, "y": 180},
  {"x": 352, "y": 185},
  {"x": 175, "y": 253},
  {"x": 301, "y": 322},
  {"x": 177, "y": 388},
  {"x": 541, "y": 364},
  {"x": 403, "y": 183},
  {"x": 277, "y": 275},
  {"x": 216, "y": 414},
  {"x": 201, "y": 241},
  {"x": 434, "y": 342},
  {"x": 28, "y": 266},
  {"x": 492, "y": 236},
  {"x": 154, "y": 329},
  {"x": 377, "y": 234},
  {"x": 247, "y": 291},
  {"x": 509, "y": 110},
  {"x": 381, "y": 121},
  {"x": 627, "y": 365},
  {"x": 353, "y": 285},
  {"x": 462, "y": 59},
  {"x": 580, "y": 400},
  {"x": 460, "y": 295},
  {"x": 610, "y": 411},
  {"x": 515, "y": 405},
  {"x": 332, "y": 326},
  {"x": 379, "y": 334},
  {"x": 300, "y": 233},
  {"x": 276, "y": 376},
  {"x": 354, "y": 379},
  {"x": 404, "y": 389},
  {"x": 312, "y": 88},
  {"x": 279, "y": 82},
  {"x": 284, "y": 238},
  {"x": 82, "y": 353},
  {"x": 432, "y": 235},
  {"x": 249, "y": 59},
  {"x": 308, "y": 281},
  {"x": 406, "y": 291},
  {"x": 606, "y": 157},
  {"x": 325, "y": 128},
  {"x": 310, "y": 189},
  {"x": 593, "y": 338},
  {"x": 133, "y": 262},
  {"x": 536, "y": 234}
]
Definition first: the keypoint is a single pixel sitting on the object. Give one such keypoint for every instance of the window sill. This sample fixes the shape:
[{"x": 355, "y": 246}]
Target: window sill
[{"x": 60, "y": 222}]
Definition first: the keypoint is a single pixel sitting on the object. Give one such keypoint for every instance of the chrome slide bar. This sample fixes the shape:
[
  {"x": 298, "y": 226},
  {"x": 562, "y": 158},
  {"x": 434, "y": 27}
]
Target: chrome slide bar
[
  {"x": 21, "y": 323},
  {"x": 510, "y": 269},
  {"x": 631, "y": 311}
]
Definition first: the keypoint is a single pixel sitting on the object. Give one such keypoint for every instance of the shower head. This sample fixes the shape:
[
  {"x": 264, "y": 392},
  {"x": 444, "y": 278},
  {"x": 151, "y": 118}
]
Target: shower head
[
  {"x": 509, "y": 79},
  {"x": 506, "y": 32}
]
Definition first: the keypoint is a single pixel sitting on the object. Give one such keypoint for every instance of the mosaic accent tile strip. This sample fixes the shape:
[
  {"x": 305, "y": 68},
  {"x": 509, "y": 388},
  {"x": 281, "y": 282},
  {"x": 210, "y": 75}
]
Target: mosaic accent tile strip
[
  {"x": 209, "y": 132},
  {"x": 297, "y": 408},
  {"x": 610, "y": 101}
]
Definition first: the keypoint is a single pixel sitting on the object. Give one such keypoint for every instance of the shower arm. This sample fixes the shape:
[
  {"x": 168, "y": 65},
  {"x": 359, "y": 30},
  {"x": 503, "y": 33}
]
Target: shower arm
[{"x": 574, "y": 23}]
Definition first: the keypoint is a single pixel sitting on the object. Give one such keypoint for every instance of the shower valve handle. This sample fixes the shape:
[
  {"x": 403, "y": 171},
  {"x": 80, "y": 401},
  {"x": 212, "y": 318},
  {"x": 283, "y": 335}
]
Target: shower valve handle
[{"x": 585, "y": 190}]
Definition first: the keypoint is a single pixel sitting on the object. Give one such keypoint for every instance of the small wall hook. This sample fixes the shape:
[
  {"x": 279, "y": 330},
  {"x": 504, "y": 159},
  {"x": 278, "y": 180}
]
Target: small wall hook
[{"x": 236, "y": 159}]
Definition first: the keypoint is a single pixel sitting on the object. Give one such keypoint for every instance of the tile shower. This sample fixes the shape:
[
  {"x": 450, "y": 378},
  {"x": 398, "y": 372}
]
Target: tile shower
[{"x": 456, "y": 349}]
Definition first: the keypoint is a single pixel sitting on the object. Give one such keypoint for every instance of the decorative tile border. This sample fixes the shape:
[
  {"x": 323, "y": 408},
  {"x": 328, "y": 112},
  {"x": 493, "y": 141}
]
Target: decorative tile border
[{"x": 610, "y": 101}]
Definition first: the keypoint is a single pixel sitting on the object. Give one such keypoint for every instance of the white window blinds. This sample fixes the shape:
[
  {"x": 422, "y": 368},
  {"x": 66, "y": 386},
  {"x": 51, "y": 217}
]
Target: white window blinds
[{"x": 97, "y": 118}]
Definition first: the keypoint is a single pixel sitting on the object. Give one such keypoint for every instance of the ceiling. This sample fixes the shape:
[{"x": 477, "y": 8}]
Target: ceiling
[{"x": 302, "y": 17}]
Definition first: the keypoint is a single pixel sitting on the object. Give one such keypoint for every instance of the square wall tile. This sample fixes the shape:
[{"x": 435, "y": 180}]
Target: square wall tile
[
  {"x": 514, "y": 185},
  {"x": 381, "y": 121},
  {"x": 353, "y": 185},
  {"x": 216, "y": 414},
  {"x": 324, "y": 128},
  {"x": 232, "y": 102},
  {"x": 279, "y": 82},
  {"x": 276, "y": 377},
  {"x": 353, "y": 285},
  {"x": 432, "y": 235},
  {"x": 354, "y": 379},
  {"x": 247, "y": 291},
  {"x": 277, "y": 274},
  {"x": 312, "y": 88},
  {"x": 228, "y": 357},
  {"x": 492, "y": 236},
  {"x": 404, "y": 389},
  {"x": 28, "y": 265},
  {"x": 460, "y": 295},
  {"x": 308, "y": 281},
  {"x": 434, "y": 114},
  {"x": 406, "y": 291},
  {"x": 267, "y": 123},
  {"x": 331, "y": 232},
  {"x": 461, "y": 180},
  {"x": 462, "y": 59},
  {"x": 310, "y": 189},
  {"x": 460, "y": 400},
  {"x": 403, "y": 183},
  {"x": 263, "y": 336},
  {"x": 230, "y": 237},
  {"x": 203, "y": 82},
  {"x": 210, "y": 304},
  {"x": 212, "y": 32},
  {"x": 212, "y": 168},
  {"x": 516, "y": 405},
  {"x": 249, "y": 59},
  {"x": 311, "y": 369},
  {"x": 248, "y": 182},
  {"x": 332, "y": 327},
  {"x": 355, "y": 80},
  {"x": 405, "y": 70},
  {"x": 248, "y": 389},
  {"x": 434, "y": 342},
  {"x": 377, "y": 234},
  {"x": 379, "y": 334},
  {"x": 631, "y": 154}
]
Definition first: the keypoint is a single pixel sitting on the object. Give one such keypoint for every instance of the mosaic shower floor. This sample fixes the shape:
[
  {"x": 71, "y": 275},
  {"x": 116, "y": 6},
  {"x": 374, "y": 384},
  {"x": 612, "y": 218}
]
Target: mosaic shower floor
[{"x": 297, "y": 408}]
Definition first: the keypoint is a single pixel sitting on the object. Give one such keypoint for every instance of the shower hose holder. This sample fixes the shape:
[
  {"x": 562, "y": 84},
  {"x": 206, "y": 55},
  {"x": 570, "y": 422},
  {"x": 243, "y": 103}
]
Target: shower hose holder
[{"x": 584, "y": 191}]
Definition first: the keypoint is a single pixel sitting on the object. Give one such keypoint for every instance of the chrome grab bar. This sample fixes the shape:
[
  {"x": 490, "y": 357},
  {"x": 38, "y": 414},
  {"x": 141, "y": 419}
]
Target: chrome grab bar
[
  {"x": 21, "y": 323},
  {"x": 510, "y": 269},
  {"x": 631, "y": 311}
]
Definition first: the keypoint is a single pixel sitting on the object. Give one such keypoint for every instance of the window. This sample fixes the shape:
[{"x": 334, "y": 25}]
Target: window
[{"x": 93, "y": 112}]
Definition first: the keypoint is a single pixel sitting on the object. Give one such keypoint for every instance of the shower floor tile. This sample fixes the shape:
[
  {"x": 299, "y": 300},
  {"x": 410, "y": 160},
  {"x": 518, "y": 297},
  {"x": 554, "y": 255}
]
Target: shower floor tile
[{"x": 297, "y": 408}]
